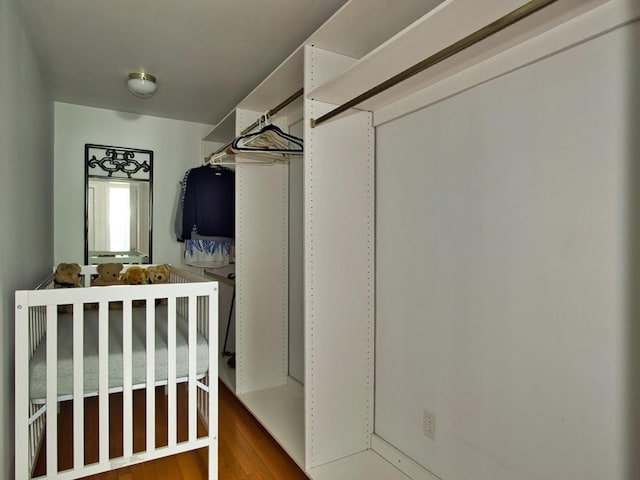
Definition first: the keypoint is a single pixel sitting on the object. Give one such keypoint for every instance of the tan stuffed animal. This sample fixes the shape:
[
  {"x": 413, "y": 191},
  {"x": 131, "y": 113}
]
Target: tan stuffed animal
[
  {"x": 136, "y": 276},
  {"x": 108, "y": 274},
  {"x": 159, "y": 274},
  {"x": 67, "y": 276}
]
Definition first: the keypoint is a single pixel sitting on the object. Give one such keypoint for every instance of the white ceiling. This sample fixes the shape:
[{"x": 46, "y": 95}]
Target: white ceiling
[{"x": 206, "y": 54}]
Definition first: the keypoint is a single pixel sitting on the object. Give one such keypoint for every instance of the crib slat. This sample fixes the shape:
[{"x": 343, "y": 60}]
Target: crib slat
[
  {"x": 202, "y": 329},
  {"x": 192, "y": 312},
  {"x": 212, "y": 411},
  {"x": 127, "y": 393},
  {"x": 171, "y": 371},
  {"x": 22, "y": 437},
  {"x": 52, "y": 390},
  {"x": 78, "y": 386},
  {"x": 151, "y": 367},
  {"x": 44, "y": 320},
  {"x": 103, "y": 382}
]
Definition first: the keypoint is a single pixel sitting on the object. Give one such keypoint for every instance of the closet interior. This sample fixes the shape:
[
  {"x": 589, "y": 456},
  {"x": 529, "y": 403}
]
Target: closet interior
[{"x": 308, "y": 288}]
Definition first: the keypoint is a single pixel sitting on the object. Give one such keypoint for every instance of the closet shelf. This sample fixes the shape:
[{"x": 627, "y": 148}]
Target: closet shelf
[
  {"x": 280, "y": 84},
  {"x": 435, "y": 31},
  {"x": 280, "y": 410},
  {"x": 224, "y": 131},
  {"x": 344, "y": 33},
  {"x": 349, "y": 32},
  {"x": 367, "y": 464}
]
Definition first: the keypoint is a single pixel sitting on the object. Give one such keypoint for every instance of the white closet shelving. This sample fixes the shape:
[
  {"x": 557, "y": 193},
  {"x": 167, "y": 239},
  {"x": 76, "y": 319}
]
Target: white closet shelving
[
  {"x": 293, "y": 413},
  {"x": 520, "y": 44},
  {"x": 225, "y": 129},
  {"x": 260, "y": 379},
  {"x": 327, "y": 424}
]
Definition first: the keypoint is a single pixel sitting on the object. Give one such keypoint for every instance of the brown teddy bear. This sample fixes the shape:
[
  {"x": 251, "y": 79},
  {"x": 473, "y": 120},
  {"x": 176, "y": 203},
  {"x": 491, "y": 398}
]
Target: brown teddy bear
[
  {"x": 67, "y": 276},
  {"x": 159, "y": 274},
  {"x": 108, "y": 274},
  {"x": 136, "y": 276}
]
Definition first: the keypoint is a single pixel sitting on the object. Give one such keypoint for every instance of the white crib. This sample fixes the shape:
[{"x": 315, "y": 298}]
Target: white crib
[{"x": 98, "y": 350}]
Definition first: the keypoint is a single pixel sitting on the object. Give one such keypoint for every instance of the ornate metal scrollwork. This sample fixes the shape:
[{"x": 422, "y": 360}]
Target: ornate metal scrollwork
[
  {"x": 118, "y": 198},
  {"x": 119, "y": 160}
]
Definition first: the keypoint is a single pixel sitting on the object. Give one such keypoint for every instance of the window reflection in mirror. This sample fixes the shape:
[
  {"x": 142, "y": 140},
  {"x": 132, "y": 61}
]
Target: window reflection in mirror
[{"x": 118, "y": 204}]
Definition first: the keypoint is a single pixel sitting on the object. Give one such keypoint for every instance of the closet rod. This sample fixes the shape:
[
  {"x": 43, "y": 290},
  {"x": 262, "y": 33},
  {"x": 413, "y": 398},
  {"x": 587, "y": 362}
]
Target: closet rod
[
  {"x": 471, "y": 39},
  {"x": 273, "y": 111},
  {"x": 270, "y": 113},
  {"x": 221, "y": 149}
]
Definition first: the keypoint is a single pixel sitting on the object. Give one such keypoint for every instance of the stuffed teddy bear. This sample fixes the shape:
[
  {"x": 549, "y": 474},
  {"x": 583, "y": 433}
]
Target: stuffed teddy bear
[
  {"x": 67, "y": 276},
  {"x": 136, "y": 276},
  {"x": 108, "y": 274},
  {"x": 159, "y": 274}
]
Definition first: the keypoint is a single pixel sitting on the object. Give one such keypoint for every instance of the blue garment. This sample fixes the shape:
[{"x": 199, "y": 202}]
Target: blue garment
[
  {"x": 207, "y": 252},
  {"x": 208, "y": 202}
]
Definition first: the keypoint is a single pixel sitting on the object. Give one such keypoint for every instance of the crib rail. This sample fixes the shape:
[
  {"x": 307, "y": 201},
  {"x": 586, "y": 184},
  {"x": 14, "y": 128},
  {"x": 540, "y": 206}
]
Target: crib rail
[{"x": 36, "y": 315}]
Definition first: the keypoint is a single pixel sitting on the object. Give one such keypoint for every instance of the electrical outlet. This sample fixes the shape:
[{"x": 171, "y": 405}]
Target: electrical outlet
[{"x": 429, "y": 424}]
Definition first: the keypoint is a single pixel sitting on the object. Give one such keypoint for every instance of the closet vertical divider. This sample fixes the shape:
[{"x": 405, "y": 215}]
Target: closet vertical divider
[
  {"x": 339, "y": 273},
  {"x": 260, "y": 379},
  {"x": 261, "y": 266}
]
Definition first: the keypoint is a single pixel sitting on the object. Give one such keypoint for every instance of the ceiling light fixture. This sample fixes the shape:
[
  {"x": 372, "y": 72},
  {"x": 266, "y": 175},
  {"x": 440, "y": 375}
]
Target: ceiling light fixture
[{"x": 142, "y": 84}]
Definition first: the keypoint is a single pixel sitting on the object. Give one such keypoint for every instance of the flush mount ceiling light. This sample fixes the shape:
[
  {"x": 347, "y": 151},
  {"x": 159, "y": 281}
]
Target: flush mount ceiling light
[{"x": 142, "y": 84}]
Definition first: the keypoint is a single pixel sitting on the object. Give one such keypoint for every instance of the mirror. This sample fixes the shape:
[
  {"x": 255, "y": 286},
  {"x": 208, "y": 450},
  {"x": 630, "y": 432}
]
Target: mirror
[{"x": 118, "y": 204}]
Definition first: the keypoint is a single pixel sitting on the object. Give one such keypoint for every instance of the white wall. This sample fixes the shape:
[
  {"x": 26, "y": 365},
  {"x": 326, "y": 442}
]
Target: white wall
[
  {"x": 501, "y": 272},
  {"x": 26, "y": 196},
  {"x": 176, "y": 147}
]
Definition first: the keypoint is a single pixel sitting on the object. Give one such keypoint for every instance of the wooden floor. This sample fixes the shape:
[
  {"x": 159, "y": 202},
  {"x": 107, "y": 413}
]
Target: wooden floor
[{"x": 246, "y": 450}]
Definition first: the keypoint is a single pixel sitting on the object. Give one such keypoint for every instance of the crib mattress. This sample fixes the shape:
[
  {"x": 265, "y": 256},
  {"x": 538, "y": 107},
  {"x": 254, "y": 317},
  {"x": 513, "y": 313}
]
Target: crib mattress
[{"x": 37, "y": 367}]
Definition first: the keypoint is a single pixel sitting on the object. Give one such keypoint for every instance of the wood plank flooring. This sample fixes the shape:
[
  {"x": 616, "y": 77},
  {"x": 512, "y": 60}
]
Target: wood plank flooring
[{"x": 246, "y": 450}]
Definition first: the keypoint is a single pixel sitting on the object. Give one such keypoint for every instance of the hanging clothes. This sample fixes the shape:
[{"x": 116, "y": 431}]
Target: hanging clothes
[
  {"x": 208, "y": 252},
  {"x": 207, "y": 206}
]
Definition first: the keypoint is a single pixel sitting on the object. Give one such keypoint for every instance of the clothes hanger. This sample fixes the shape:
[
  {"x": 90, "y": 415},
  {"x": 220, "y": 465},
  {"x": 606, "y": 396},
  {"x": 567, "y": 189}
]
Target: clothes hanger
[
  {"x": 228, "y": 157},
  {"x": 270, "y": 138},
  {"x": 268, "y": 146}
]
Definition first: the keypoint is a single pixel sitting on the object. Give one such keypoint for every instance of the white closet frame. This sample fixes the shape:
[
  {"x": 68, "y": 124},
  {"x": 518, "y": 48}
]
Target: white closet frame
[
  {"x": 327, "y": 425},
  {"x": 339, "y": 253},
  {"x": 261, "y": 271}
]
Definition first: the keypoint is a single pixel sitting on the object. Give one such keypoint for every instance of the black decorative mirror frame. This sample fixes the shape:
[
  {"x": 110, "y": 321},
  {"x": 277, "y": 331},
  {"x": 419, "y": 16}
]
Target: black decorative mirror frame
[{"x": 118, "y": 204}]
